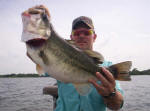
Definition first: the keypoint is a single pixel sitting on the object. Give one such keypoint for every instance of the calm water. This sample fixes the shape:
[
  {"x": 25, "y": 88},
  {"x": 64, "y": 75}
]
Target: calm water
[{"x": 25, "y": 94}]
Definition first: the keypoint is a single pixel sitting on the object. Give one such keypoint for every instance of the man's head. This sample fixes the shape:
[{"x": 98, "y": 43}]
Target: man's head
[{"x": 83, "y": 32}]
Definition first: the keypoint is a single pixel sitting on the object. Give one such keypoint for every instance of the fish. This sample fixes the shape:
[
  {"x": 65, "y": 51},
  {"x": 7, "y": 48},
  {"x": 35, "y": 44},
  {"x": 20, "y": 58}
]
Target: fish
[{"x": 61, "y": 58}]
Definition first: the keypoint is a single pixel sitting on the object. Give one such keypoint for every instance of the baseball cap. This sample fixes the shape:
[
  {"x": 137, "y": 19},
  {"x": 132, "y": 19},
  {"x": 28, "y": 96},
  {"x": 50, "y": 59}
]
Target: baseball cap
[{"x": 84, "y": 20}]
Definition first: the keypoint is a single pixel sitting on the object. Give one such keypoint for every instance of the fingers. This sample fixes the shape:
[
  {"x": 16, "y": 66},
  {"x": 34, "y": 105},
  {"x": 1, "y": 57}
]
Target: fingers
[
  {"x": 94, "y": 83},
  {"x": 98, "y": 87},
  {"x": 38, "y": 7},
  {"x": 107, "y": 82},
  {"x": 102, "y": 79},
  {"x": 108, "y": 75},
  {"x": 41, "y": 7},
  {"x": 34, "y": 10}
]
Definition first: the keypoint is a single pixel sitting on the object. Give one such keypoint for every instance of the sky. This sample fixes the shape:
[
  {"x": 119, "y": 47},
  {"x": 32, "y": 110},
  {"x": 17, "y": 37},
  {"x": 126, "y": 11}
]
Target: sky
[{"x": 122, "y": 28}]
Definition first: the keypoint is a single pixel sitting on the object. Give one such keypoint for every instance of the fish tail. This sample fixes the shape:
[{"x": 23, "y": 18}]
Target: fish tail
[{"x": 121, "y": 70}]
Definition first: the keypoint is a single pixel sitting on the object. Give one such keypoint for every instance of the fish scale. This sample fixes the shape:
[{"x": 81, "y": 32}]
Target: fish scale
[{"x": 76, "y": 55}]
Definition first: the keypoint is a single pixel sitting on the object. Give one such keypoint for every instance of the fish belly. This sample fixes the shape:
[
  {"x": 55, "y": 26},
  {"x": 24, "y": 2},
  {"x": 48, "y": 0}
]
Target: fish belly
[{"x": 66, "y": 72}]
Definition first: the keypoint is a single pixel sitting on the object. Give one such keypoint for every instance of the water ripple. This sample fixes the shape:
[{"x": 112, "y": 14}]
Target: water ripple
[{"x": 25, "y": 94}]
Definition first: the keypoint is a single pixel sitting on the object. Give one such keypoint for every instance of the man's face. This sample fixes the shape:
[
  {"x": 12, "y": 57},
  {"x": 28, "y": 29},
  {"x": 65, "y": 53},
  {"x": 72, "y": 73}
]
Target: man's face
[{"x": 84, "y": 38}]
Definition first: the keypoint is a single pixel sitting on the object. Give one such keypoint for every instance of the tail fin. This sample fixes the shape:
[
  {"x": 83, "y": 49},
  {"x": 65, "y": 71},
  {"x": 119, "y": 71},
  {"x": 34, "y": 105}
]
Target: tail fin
[{"x": 121, "y": 71}]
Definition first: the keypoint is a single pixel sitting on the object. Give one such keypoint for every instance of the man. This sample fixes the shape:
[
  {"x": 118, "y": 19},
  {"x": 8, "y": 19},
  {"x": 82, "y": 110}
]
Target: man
[{"x": 105, "y": 93}]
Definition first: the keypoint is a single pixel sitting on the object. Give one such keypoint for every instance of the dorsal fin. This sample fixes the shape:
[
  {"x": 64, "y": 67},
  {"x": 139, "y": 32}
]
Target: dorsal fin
[
  {"x": 97, "y": 57},
  {"x": 71, "y": 42}
]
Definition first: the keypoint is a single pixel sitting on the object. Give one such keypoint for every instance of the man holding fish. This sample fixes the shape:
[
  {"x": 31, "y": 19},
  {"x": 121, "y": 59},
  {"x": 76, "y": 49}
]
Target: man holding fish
[
  {"x": 108, "y": 92},
  {"x": 83, "y": 82}
]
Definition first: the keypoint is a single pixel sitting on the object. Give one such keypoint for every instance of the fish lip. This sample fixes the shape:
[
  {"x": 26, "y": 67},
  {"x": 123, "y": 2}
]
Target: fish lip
[
  {"x": 26, "y": 14},
  {"x": 33, "y": 12},
  {"x": 36, "y": 43}
]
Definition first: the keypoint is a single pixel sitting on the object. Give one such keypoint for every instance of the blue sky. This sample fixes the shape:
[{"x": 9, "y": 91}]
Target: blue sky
[{"x": 122, "y": 27}]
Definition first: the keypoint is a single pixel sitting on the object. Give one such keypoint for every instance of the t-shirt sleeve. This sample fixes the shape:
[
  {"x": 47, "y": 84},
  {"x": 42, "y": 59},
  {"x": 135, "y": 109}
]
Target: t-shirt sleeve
[{"x": 118, "y": 87}]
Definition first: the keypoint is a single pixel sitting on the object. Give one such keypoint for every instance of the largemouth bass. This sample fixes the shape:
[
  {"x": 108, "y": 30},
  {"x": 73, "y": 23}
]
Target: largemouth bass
[{"x": 60, "y": 58}]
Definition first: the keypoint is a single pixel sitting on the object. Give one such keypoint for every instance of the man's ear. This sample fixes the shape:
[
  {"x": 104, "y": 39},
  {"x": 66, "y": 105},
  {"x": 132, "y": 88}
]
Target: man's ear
[
  {"x": 71, "y": 37},
  {"x": 94, "y": 38}
]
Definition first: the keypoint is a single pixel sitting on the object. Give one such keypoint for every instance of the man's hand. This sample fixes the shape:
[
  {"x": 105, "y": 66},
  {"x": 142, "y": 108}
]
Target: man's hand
[
  {"x": 107, "y": 85},
  {"x": 40, "y": 7}
]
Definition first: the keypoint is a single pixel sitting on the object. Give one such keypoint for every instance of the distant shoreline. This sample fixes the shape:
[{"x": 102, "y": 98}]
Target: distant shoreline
[
  {"x": 132, "y": 73},
  {"x": 49, "y": 76},
  {"x": 22, "y": 75},
  {"x": 141, "y": 75}
]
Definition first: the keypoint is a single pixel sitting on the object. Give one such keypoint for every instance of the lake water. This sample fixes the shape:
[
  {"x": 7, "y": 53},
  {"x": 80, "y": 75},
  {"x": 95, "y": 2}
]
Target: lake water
[{"x": 25, "y": 94}]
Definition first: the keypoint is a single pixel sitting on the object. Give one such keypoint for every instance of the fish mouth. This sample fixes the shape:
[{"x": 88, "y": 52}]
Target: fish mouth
[{"x": 36, "y": 43}]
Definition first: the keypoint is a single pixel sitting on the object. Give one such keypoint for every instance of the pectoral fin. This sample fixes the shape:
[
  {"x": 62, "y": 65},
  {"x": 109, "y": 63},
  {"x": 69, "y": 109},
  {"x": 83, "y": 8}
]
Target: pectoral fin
[
  {"x": 72, "y": 43},
  {"x": 83, "y": 89},
  {"x": 39, "y": 69},
  {"x": 97, "y": 57}
]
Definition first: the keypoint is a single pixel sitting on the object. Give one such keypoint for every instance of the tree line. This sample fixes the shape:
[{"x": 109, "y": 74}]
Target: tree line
[
  {"x": 135, "y": 71},
  {"x": 23, "y": 75}
]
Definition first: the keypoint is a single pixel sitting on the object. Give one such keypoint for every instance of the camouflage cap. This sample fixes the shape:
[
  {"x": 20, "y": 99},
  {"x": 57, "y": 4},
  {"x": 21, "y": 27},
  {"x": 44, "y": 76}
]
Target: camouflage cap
[{"x": 86, "y": 20}]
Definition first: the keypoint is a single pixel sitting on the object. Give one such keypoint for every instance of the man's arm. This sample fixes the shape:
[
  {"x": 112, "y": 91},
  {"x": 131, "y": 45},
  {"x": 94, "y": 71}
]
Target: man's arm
[
  {"x": 52, "y": 90},
  {"x": 114, "y": 102},
  {"x": 105, "y": 89}
]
